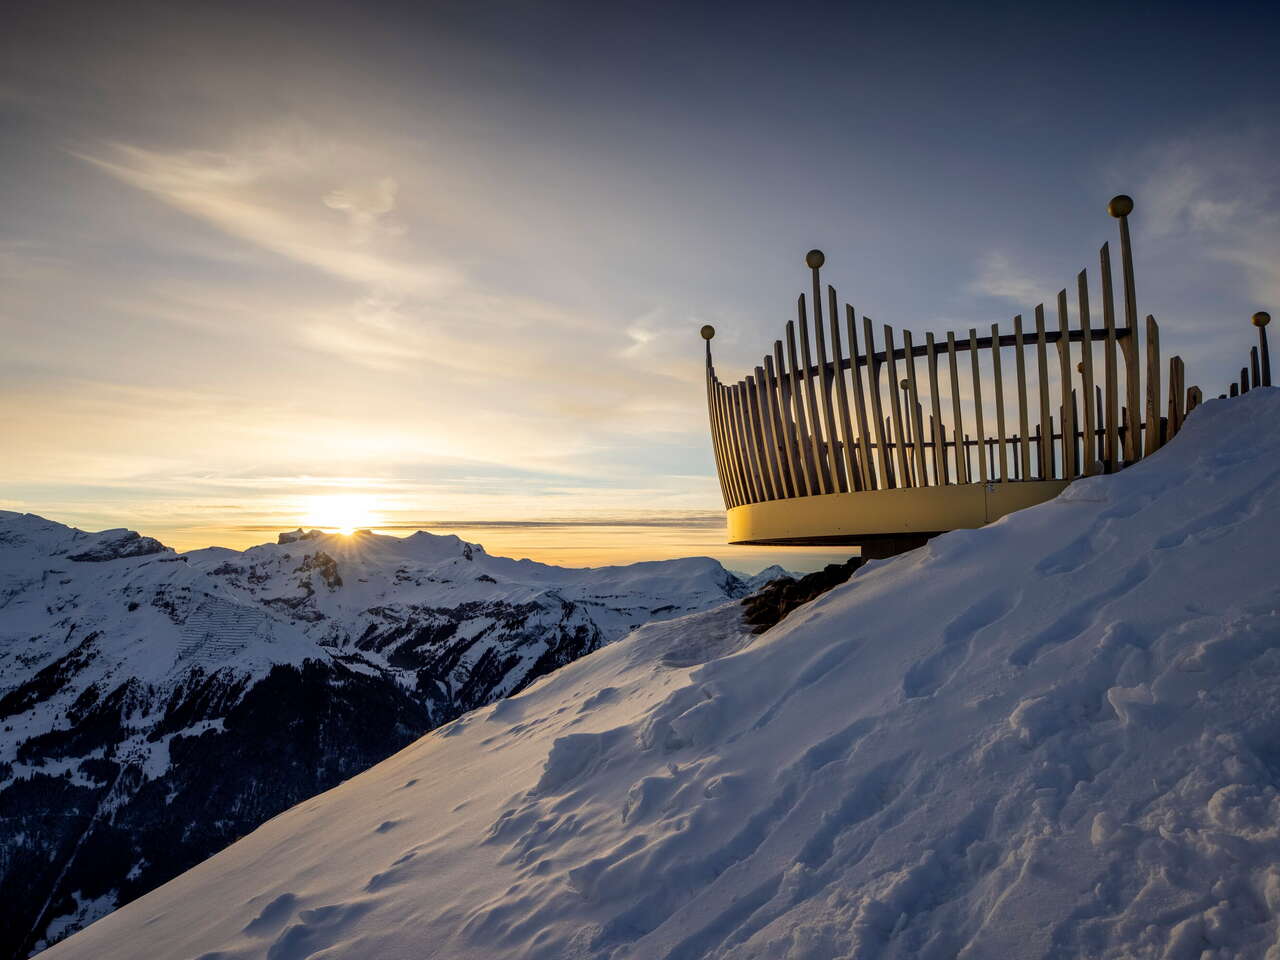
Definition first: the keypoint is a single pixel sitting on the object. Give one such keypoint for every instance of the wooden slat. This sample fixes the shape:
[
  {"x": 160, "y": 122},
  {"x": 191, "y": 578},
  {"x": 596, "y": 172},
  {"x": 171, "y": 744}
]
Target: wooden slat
[
  {"x": 1071, "y": 436},
  {"x": 768, "y": 439},
  {"x": 957, "y": 424},
  {"x": 759, "y": 436},
  {"x": 1177, "y": 394},
  {"x": 1099, "y": 441},
  {"x": 877, "y": 408},
  {"x": 731, "y": 442},
  {"x": 1132, "y": 366},
  {"x": 859, "y": 401},
  {"x": 1244, "y": 380},
  {"x": 977, "y": 405},
  {"x": 1090, "y": 445},
  {"x": 913, "y": 400},
  {"x": 851, "y": 466},
  {"x": 1042, "y": 367},
  {"x": 803, "y": 438},
  {"x": 1024, "y": 427},
  {"x": 1153, "y": 439},
  {"x": 782, "y": 430},
  {"x": 834, "y": 468},
  {"x": 999, "y": 385},
  {"x": 895, "y": 408},
  {"x": 1195, "y": 397},
  {"x": 940, "y": 473},
  {"x": 787, "y": 409},
  {"x": 716, "y": 447},
  {"x": 1255, "y": 371},
  {"x": 738, "y": 409},
  {"x": 1111, "y": 376},
  {"x": 816, "y": 440},
  {"x": 1064, "y": 374},
  {"x": 936, "y": 445}
]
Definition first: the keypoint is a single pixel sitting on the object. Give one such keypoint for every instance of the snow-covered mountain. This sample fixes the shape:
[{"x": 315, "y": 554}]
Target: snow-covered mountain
[
  {"x": 1053, "y": 737},
  {"x": 156, "y": 706}
]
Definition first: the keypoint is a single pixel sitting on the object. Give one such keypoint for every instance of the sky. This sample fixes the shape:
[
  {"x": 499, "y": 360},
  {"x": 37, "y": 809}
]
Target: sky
[{"x": 443, "y": 265}]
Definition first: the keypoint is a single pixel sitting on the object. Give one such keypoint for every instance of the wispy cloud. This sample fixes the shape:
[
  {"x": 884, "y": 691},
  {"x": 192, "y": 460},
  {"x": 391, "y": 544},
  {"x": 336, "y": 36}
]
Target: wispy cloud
[{"x": 998, "y": 276}]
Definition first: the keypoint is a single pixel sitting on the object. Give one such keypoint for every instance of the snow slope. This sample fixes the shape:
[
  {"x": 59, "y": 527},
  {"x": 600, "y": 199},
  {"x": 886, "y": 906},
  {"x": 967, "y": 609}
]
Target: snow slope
[{"x": 1058, "y": 736}]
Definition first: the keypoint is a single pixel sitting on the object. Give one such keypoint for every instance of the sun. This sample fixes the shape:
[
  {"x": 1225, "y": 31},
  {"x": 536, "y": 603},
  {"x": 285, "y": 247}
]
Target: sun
[{"x": 343, "y": 512}]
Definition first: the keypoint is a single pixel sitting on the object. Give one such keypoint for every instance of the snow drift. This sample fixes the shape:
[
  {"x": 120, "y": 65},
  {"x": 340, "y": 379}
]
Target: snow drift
[{"x": 1056, "y": 736}]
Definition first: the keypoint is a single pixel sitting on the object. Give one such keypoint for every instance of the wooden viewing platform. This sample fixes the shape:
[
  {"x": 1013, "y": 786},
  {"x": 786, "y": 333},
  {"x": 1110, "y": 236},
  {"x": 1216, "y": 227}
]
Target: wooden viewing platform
[{"x": 863, "y": 448}]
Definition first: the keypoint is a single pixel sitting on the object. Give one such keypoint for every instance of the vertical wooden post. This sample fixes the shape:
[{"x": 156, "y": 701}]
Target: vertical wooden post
[
  {"x": 1153, "y": 439},
  {"x": 811, "y": 403},
  {"x": 1077, "y": 456},
  {"x": 834, "y": 470},
  {"x": 804, "y": 440},
  {"x": 1120, "y": 207},
  {"x": 999, "y": 385},
  {"x": 877, "y": 408},
  {"x": 1255, "y": 373},
  {"x": 957, "y": 425},
  {"x": 707, "y": 333},
  {"x": 1195, "y": 397},
  {"x": 1244, "y": 380},
  {"x": 1111, "y": 374},
  {"x": 760, "y": 396},
  {"x": 1260, "y": 320},
  {"x": 895, "y": 408},
  {"x": 1024, "y": 428},
  {"x": 1090, "y": 446},
  {"x": 1064, "y": 373},
  {"x": 938, "y": 478},
  {"x": 732, "y": 424},
  {"x": 717, "y": 391},
  {"x": 1099, "y": 442},
  {"x": 755, "y": 483},
  {"x": 977, "y": 405},
  {"x": 1235, "y": 390},
  {"x": 851, "y": 465},
  {"x": 939, "y": 451},
  {"x": 1042, "y": 368},
  {"x": 859, "y": 403},
  {"x": 785, "y": 432},
  {"x": 913, "y": 400}
]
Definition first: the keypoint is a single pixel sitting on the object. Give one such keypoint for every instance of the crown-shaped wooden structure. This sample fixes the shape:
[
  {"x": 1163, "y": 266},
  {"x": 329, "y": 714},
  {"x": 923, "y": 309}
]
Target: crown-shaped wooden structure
[{"x": 834, "y": 439}]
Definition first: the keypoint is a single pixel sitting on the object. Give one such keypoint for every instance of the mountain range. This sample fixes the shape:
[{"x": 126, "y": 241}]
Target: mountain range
[{"x": 156, "y": 706}]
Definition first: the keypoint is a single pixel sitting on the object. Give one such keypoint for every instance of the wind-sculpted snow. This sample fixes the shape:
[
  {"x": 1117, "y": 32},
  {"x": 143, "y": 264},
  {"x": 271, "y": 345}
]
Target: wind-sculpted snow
[
  {"x": 1053, "y": 737},
  {"x": 154, "y": 707}
]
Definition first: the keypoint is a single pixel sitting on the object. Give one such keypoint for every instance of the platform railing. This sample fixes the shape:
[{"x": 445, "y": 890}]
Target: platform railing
[{"x": 836, "y": 412}]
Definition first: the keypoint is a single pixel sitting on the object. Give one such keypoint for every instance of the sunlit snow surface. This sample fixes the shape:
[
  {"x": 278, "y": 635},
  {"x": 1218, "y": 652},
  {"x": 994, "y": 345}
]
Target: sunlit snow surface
[{"x": 1058, "y": 736}]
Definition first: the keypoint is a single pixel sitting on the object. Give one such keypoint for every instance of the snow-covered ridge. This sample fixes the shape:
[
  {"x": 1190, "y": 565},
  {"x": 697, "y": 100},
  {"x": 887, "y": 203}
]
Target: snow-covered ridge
[
  {"x": 127, "y": 672},
  {"x": 1053, "y": 737}
]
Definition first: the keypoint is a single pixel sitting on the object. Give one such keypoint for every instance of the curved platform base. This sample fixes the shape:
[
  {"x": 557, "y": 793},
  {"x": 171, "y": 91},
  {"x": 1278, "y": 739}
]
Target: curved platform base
[{"x": 838, "y": 519}]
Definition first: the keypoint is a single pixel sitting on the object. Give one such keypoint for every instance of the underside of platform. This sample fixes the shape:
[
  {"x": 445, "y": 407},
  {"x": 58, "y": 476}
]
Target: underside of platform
[{"x": 882, "y": 517}]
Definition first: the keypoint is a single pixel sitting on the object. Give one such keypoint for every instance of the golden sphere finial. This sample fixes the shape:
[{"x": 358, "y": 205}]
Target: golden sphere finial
[
  {"x": 1120, "y": 206},
  {"x": 708, "y": 331},
  {"x": 1080, "y": 367},
  {"x": 814, "y": 259},
  {"x": 1261, "y": 318}
]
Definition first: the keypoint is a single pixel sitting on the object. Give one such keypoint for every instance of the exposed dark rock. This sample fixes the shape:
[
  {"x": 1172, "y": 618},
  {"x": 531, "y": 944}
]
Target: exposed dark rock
[{"x": 769, "y": 605}]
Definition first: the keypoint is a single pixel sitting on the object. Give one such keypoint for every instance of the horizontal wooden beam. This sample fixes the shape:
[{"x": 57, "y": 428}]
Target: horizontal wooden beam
[{"x": 982, "y": 343}]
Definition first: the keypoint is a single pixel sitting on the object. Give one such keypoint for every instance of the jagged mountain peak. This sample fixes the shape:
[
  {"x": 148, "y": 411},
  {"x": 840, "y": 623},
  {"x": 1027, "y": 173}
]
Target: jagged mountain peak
[{"x": 220, "y": 686}]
